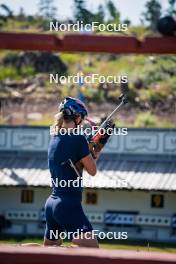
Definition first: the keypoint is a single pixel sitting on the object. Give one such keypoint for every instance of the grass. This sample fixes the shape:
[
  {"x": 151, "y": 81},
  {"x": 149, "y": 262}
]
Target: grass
[
  {"x": 112, "y": 245},
  {"x": 152, "y": 79}
]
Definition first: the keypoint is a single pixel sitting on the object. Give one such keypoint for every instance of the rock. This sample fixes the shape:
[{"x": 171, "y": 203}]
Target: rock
[
  {"x": 34, "y": 116},
  {"x": 138, "y": 83},
  {"x": 30, "y": 88}
]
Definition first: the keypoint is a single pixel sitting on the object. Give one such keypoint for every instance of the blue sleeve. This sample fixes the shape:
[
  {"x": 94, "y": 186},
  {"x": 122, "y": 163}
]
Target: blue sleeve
[{"x": 83, "y": 148}]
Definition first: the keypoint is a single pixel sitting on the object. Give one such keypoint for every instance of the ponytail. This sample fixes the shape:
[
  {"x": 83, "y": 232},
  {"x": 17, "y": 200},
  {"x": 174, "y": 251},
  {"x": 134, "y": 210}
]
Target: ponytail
[{"x": 54, "y": 129}]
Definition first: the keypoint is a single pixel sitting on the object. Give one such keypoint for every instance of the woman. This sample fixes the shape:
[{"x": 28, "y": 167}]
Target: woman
[{"x": 63, "y": 207}]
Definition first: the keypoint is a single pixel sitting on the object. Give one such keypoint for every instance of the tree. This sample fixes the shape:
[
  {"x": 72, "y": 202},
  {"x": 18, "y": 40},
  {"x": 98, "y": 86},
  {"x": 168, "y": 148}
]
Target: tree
[
  {"x": 8, "y": 12},
  {"x": 21, "y": 15},
  {"x": 81, "y": 13},
  {"x": 152, "y": 13},
  {"x": 100, "y": 15},
  {"x": 172, "y": 9},
  {"x": 5, "y": 14},
  {"x": 114, "y": 14},
  {"x": 127, "y": 21},
  {"x": 79, "y": 6},
  {"x": 47, "y": 9}
]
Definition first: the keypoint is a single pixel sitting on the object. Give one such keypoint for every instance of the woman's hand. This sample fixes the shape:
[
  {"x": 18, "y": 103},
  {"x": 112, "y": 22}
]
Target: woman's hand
[
  {"x": 79, "y": 166},
  {"x": 97, "y": 155}
]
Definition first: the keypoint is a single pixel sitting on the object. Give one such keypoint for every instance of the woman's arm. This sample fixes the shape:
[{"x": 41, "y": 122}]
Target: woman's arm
[
  {"x": 87, "y": 157},
  {"x": 89, "y": 164}
]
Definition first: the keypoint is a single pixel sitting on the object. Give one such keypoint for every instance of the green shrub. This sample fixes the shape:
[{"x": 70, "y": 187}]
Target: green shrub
[
  {"x": 14, "y": 74},
  {"x": 9, "y": 72},
  {"x": 70, "y": 58},
  {"x": 146, "y": 119},
  {"x": 27, "y": 71}
]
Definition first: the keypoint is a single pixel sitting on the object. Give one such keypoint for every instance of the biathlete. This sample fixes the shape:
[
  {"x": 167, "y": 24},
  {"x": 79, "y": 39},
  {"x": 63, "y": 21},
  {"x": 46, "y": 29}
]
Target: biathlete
[{"x": 63, "y": 209}]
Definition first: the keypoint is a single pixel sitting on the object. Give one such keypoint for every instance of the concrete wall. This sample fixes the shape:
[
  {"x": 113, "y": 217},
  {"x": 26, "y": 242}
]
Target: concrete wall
[
  {"x": 132, "y": 201},
  {"x": 137, "y": 141},
  {"x": 136, "y": 201},
  {"x": 107, "y": 200},
  {"x": 10, "y": 198}
]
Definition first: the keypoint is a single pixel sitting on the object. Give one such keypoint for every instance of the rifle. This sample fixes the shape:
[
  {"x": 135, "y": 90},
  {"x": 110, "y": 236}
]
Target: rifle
[{"x": 98, "y": 140}]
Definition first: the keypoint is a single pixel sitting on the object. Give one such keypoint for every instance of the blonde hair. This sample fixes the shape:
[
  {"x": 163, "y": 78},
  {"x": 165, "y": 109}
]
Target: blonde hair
[
  {"x": 59, "y": 119},
  {"x": 54, "y": 129}
]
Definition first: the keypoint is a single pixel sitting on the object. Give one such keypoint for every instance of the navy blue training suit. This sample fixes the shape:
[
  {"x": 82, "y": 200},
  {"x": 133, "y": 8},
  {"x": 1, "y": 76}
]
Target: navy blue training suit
[{"x": 63, "y": 207}]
